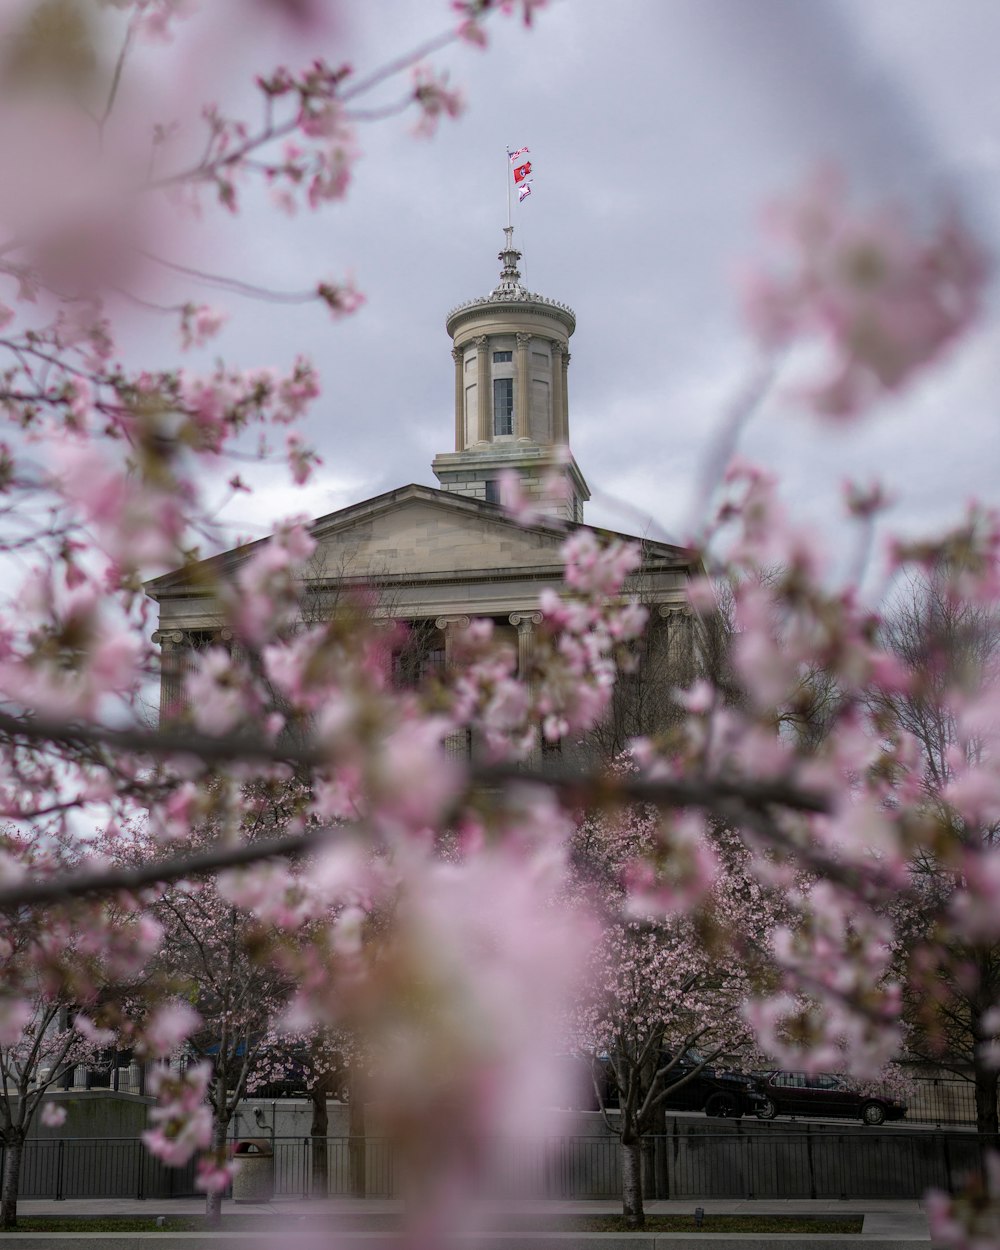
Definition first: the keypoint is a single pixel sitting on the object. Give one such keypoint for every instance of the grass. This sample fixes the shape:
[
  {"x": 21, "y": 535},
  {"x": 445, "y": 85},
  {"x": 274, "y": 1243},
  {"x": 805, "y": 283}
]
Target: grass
[
  {"x": 605, "y": 1223},
  {"x": 711, "y": 1224}
]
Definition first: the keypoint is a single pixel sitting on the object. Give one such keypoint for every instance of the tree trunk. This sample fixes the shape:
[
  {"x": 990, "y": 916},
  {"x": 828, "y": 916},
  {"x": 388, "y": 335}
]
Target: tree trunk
[
  {"x": 13, "y": 1154},
  {"x": 648, "y": 1150},
  {"x": 987, "y": 1120},
  {"x": 635, "y": 1217},
  {"x": 357, "y": 1147},
  {"x": 653, "y": 1129},
  {"x": 318, "y": 1132},
  {"x": 213, "y": 1201}
]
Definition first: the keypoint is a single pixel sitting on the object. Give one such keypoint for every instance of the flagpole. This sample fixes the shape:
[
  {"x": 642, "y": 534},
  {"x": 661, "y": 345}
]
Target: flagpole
[{"x": 507, "y": 167}]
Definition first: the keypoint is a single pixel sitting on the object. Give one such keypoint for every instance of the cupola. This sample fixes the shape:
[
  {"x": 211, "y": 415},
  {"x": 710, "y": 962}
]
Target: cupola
[{"x": 511, "y": 354}]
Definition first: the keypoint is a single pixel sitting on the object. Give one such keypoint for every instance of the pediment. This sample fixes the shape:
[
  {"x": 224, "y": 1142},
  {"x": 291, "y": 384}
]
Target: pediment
[
  {"x": 440, "y": 552},
  {"x": 419, "y": 532}
]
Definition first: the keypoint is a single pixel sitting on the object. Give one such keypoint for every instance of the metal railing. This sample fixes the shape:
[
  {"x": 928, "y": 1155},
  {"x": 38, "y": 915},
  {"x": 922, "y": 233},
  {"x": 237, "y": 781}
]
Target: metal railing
[
  {"x": 940, "y": 1100},
  {"x": 94, "y": 1167},
  {"x": 758, "y": 1161}
]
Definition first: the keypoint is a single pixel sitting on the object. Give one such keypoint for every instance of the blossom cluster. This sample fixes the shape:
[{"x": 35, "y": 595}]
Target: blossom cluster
[{"x": 884, "y": 299}]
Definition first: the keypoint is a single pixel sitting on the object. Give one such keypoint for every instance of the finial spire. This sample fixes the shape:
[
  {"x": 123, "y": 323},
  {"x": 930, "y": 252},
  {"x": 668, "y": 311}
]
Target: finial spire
[{"x": 509, "y": 286}]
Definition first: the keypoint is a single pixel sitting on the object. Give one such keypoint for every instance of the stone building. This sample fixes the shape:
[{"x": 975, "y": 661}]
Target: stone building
[{"x": 442, "y": 555}]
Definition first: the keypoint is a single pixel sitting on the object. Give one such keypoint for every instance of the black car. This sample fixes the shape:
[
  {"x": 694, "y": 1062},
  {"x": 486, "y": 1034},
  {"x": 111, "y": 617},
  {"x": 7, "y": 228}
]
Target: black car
[
  {"x": 714, "y": 1090},
  {"x": 823, "y": 1094}
]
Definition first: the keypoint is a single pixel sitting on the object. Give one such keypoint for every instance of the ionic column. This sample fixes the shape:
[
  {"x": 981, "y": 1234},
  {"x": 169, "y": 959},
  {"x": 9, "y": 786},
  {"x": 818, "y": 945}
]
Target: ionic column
[
  {"x": 458, "y": 356},
  {"x": 172, "y": 667},
  {"x": 559, "y": 434},
  {"x": 521, "y": 372},
  {"x": 484, "y": 390},
  {"x": 525, "y": 623},
  {"x": 458, "y": 744},
  {"x": 678, "y": 618}
]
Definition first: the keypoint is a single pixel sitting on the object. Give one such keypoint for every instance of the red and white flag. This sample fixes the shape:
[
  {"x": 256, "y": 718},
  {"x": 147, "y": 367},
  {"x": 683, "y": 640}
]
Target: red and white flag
[
  {"x": 522, "y": 171},
  {"x": 516, "y": 156},
  {"x": 523, "y": 191}
]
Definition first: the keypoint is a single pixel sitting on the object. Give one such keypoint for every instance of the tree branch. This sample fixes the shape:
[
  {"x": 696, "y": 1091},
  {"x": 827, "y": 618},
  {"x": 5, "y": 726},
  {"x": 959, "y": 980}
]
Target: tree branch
[{"x": 110, "y": 881}]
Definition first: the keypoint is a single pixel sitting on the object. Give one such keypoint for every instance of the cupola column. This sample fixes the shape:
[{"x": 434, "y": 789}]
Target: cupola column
[
  {"x": 521, "y": 410},
  {"x": 564, "y": 418},
  {"x": 458, "y": 356},
  {"x": 560, "y": 434},
  {"x": 484, "y": 389}
]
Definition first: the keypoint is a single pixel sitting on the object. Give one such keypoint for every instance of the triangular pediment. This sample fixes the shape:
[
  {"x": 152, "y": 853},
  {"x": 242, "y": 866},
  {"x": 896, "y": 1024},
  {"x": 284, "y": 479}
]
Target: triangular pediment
[
  {"x": 432, "y": 551},
  {"x": 419, "y": 531}
]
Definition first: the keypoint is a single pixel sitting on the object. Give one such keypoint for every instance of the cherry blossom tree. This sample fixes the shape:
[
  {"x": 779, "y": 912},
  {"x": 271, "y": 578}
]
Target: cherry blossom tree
[
  {"x": 420, "y": 954},
  {"x": 661, "y": 988},
  {"x": 65, "y": 999},
  {"x": 205, "y": 952},
  {"x": 321, "y": 1059},
  {"x": 948, "y": 647}
]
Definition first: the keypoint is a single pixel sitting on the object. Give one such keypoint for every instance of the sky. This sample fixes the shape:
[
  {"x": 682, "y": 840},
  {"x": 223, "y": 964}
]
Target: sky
[{"x": 658, "y": 130}]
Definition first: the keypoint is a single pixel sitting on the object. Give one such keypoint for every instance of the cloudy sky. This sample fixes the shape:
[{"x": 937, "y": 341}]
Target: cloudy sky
[{"x": 658, "y": 129}]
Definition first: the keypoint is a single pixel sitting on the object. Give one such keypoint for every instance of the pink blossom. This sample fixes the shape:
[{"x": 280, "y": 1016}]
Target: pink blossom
[
  {"x": 15, "y": 1015},
  {"x": 215, "y": 692},
  {"x": 342, "y": 299},
  {"x": 434, "y": 99},
  {"x": 182, "y": 1122},
  {"x": 472, "y": 32},
  {"x": 199, "y": 323},
  {"x": 92, "y": 1032},
  {"x": 169, "y": 1026},
  {"x": 213, "y": 1176},
  {"x": 884, "y": 300},
  {"x": 53, "y": 1115}
]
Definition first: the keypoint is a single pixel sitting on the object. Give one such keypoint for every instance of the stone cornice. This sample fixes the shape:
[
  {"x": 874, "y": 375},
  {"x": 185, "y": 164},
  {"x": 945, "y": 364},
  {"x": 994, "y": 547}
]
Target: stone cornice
[{"x": 534, "y": 305}]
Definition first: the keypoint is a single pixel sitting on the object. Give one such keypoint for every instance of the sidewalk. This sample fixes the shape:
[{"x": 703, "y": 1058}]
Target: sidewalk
[{"x": 888, "y": 1225}]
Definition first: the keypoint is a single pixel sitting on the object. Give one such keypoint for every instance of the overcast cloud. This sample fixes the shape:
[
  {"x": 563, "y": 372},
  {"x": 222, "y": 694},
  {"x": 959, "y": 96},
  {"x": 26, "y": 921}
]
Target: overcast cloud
[{"x": 658, "y": 129}]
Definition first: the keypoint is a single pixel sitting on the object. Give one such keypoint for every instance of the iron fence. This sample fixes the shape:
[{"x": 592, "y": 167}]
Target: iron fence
[
  {"x": 940, "y": 1100},
  {"x": 91, "y": 1167},
  {"x": 752, "y": 1161}
]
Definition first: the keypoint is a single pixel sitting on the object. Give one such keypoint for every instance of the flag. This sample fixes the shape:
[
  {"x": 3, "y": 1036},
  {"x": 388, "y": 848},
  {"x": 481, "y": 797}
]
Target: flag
[
  {"x": 522, "y": 171},
  {"x": 523, "y": 191},
  {"x": 516, "y": 156}
]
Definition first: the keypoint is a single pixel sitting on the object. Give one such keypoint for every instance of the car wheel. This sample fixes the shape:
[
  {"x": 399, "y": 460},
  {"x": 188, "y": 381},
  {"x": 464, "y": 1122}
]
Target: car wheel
[
  {"x": 724, "y": 1105},
  {"x": 872, "y": 1113},
  {"x": 767, "y": 1111}
]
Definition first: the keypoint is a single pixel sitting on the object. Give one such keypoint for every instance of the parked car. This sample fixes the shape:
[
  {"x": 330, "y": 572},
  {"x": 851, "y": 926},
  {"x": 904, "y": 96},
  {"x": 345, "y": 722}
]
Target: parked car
[
  {"x": 822, "y": 1094},
  {"x": 716, "y": 1091}
]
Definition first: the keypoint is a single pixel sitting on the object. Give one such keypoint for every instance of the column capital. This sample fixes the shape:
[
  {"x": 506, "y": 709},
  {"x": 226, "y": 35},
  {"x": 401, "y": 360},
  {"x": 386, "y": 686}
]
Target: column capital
[
  {"x": 167, "y": 638},
  {"x": 523, "y": 338},
  {"x": 443, "y": 622},
  {"x": 525, "y": 621},
  {"x": 482, "y": 342},
  {"x": 457, "y": 354}
]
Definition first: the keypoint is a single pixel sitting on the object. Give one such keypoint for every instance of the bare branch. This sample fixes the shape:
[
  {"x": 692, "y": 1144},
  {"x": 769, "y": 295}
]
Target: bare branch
[{"x": 109, "y": 881}]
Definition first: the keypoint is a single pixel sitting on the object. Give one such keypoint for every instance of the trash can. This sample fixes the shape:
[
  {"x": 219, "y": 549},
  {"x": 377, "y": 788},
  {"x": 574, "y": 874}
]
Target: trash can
[{"x": 254, "y": 1179}]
